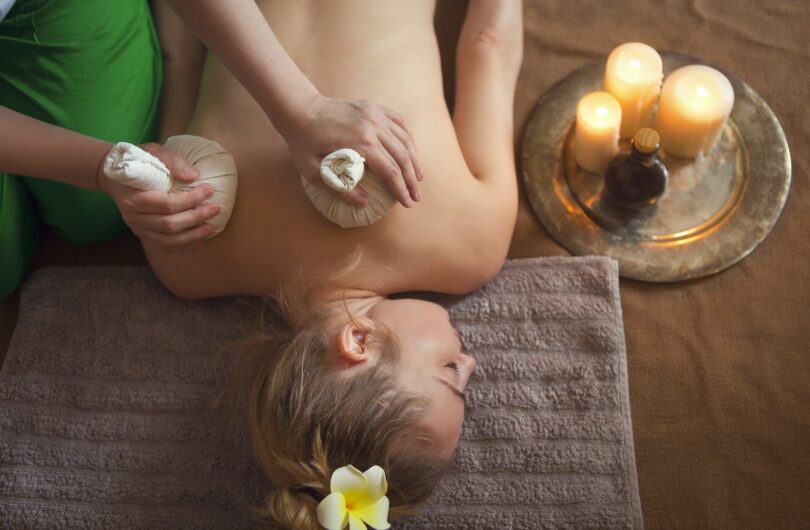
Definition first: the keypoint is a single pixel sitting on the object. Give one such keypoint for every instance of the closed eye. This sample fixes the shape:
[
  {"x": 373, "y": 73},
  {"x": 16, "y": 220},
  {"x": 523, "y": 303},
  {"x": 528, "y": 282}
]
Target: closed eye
[{"x": 453, "y": 365}]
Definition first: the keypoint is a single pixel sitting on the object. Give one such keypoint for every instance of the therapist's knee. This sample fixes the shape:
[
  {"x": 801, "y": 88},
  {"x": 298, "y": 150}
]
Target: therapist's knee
[
  {"x": 80, "y": 216},
  {"x": 19, "y": 233}
]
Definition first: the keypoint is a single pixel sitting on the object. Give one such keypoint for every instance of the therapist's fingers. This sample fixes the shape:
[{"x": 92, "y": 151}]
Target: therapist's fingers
[
  {"x": 158, "y": 202},
  {"x": 357, "y": 197},
  {"x": 179, "y": 168},
  {"x": 385, "y": 167},
  {"x": 176, "y": 223},
  {"x": 311, "y": 170},
  {"x": 401, "y": 131},
  {"x": 402, "y": 157}
]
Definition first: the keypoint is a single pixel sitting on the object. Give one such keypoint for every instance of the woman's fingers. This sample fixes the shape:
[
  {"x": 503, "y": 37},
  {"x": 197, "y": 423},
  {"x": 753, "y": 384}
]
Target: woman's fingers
[
  {"x": 158, "y": 202},
  {"x": 402, "y": 156},
  {"x": 176, "y": 223}
]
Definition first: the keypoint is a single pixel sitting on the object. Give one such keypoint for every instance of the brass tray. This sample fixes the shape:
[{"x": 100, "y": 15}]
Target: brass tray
[{"x": 717, "y": 209}]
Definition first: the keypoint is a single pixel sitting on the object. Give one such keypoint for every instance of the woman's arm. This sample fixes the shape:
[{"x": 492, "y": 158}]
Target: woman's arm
[
  {"x": 313, "y": 125},
  {"x": 488, "y": 59},
  {"x": 174, "y": 221}
]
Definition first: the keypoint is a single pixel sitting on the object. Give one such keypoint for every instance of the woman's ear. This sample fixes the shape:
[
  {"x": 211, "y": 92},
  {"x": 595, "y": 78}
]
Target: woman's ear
[{"x": 352, "y": 341}]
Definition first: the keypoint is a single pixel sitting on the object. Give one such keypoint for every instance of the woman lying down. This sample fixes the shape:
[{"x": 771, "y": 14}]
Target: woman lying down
[{"x": 362, "y": 379}]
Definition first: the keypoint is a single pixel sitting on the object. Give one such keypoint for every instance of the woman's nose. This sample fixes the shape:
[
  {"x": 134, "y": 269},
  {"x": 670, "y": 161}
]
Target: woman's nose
[{"x": 466, "y": 367}]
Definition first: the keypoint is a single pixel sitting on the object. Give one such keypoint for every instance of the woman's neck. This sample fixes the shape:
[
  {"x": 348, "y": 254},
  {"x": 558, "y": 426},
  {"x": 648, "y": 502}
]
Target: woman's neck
[{"x": 337, "y": 302}]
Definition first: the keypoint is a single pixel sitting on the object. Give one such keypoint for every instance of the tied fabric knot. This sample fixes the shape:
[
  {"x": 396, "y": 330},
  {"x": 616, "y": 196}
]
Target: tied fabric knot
[
  {"x": 343, "y": 169},
  {"x": 356, "y": 499},
  {"x": 131, "y": 166}
]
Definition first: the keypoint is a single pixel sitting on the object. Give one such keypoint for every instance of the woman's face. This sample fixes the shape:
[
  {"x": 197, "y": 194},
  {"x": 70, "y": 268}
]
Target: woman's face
[{"x": 431, "y": 363}]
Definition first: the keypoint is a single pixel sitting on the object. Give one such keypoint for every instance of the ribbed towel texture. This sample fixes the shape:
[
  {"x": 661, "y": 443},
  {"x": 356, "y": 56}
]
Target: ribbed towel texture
[{"x": 106, "y": 406}]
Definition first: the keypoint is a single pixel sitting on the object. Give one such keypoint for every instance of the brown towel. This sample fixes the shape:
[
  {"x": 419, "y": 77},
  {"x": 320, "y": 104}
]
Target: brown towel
[{"x": 106, "y": 422}]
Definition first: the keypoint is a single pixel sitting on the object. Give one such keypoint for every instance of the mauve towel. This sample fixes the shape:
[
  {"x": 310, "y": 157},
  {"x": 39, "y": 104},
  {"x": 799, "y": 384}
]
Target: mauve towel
[{"x": 106, "y": 415}]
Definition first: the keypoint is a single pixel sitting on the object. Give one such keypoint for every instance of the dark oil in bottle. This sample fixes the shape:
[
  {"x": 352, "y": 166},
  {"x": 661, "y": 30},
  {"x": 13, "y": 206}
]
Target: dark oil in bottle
[{"x": 637, "y": 179}]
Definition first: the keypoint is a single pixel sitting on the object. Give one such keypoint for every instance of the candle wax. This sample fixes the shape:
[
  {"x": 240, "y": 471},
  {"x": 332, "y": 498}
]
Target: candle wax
[
  {"x": 596, "y": 139},
  {"x": 633, "y": 75},
  {"x": 695, "y": 104}
]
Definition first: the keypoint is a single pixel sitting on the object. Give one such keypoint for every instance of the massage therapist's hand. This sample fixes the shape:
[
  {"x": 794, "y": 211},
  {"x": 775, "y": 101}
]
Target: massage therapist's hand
[
  {"x": 172, "y": 221},
  {"x": 313, "y": 125},
  {"x": 377, "y": 133}
]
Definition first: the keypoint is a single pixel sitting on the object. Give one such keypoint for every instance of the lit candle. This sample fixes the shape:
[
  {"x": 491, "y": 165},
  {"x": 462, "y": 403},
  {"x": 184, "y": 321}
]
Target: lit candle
[
  {"x": 633, "y": 74},
  {"x": 695, "y": 104},
  {"x": 596, "y": 140}
]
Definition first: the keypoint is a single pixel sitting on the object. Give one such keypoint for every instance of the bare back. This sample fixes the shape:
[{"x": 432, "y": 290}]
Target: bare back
[{"x": 454, "y": 240}]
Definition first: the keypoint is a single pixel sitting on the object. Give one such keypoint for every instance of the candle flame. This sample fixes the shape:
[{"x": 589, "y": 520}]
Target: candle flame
[
  {"x": 635, "y": 63},
  {"x": 702, "y": 91},
  {"x": 602, "y": 111}
]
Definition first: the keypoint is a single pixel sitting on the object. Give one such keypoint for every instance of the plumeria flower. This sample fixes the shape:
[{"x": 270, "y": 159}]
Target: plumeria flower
[{"x": 356, "y": 499}]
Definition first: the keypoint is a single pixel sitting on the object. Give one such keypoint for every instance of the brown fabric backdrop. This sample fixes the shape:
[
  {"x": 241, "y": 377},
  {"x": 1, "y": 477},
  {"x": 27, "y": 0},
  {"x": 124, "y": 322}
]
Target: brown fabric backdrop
[{"x": 719, "y": 367}]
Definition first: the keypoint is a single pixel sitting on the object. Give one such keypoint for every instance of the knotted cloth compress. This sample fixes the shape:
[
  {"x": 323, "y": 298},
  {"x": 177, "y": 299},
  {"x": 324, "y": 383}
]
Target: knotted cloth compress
[
  {"x": 342, "y": 170},
  {"x": 132, "y": 166}
]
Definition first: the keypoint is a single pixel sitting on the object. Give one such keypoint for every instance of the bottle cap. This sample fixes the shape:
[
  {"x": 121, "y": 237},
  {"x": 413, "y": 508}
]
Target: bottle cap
[{"x": 646, "y": 141}]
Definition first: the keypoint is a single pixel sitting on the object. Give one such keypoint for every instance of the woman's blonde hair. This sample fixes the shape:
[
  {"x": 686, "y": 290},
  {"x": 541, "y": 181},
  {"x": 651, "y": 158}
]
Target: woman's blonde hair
[{"x": 304, "y": 422}]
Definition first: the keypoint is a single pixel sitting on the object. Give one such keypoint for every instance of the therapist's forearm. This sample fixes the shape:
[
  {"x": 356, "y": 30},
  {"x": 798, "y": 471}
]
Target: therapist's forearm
[
  {"x": 238, "y": 34},
  {"x": 37, "y": 149},
  {"x": 183, "y": 58}
]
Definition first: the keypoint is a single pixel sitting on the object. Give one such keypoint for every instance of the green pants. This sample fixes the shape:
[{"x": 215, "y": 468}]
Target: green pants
[{"x": 91, "y": 66}]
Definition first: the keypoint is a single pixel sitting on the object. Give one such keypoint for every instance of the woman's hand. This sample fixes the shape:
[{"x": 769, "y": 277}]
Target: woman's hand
[
  {"x": 172, "y": 221},
  {"x": 377, "y": 133}
]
